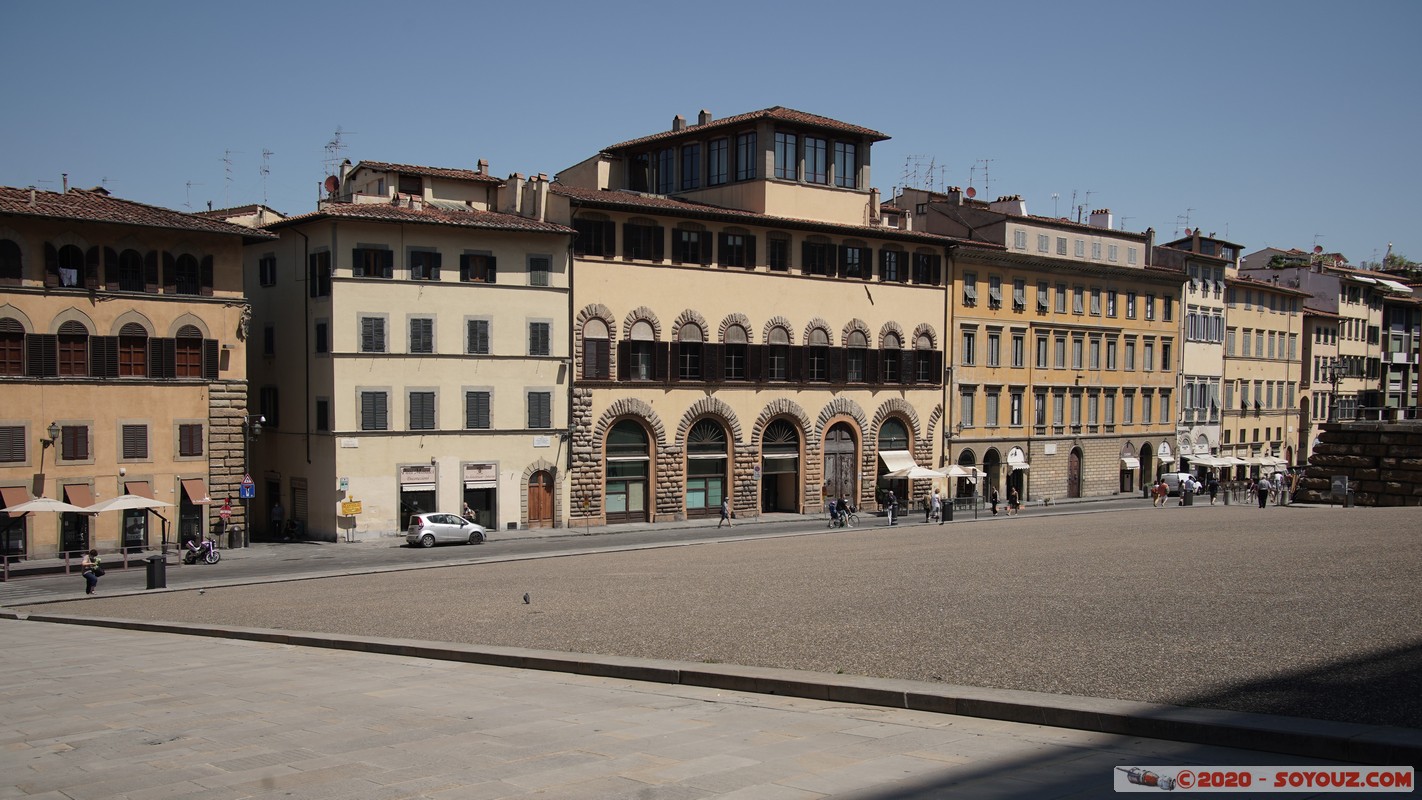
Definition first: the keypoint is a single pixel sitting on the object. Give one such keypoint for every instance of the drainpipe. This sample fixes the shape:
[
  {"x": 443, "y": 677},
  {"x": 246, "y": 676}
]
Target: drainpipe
[{"x": 304, "y": 268}]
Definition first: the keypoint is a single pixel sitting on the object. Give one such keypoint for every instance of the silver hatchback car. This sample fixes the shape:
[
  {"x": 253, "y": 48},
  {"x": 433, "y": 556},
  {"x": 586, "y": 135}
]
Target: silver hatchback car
[{"x": 427, "y": 530}]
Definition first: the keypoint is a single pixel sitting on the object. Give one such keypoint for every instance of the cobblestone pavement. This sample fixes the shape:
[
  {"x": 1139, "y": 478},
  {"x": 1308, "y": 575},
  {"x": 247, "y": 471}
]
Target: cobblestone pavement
[
  {"x": 1302, "y": 611},
  {"x": 129, "y": 715}
]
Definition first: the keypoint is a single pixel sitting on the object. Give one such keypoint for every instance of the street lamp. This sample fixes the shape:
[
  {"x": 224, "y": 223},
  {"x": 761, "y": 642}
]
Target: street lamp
[
  {"x": 1334, "y": 373},
  {"x": 53, "y": 430},
  {"x": 251, "y": 429}
]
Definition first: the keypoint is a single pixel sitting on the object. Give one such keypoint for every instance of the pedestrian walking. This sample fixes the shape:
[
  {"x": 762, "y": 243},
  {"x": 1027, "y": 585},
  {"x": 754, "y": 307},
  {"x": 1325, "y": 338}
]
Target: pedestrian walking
[
  {"x": 934, "y": 508},
  {"x": 892, "y": 503},
  {"x": 1014, "y": 502},
  {"x": 278, "y": 517},
  {"x": 726, "y": 513},
  {"x": 1214, "y": 488},
  {"x": 1262, "y": 488},
  {"x": 92, "y": 569},
  {"x": 992, "y": 499}
]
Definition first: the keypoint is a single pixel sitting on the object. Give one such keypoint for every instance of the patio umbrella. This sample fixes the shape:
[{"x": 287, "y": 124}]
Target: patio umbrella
[
  {"x": 971, "y": 473},
  {"x": 46, "y": 504},
  {"x": 915, "y": 473},
  {"x": 125, "y": 502}
]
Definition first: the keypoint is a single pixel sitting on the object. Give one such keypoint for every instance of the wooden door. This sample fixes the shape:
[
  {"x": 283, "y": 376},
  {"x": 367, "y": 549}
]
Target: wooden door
[{"x": 540, "y": 500}]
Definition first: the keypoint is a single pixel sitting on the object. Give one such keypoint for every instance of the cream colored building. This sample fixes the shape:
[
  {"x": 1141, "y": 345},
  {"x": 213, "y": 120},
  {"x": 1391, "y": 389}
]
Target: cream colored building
[
  {"x": 412, "y": 353},
  {"x": 1318, "y": 357},
  {"x": 122, "y": 368},
  {"x": 1204, "y": 264},
  {"x": 748, "y": 324},
  {"x": 1263, "y": 372},
  {"x": 1063, "y": 349}
]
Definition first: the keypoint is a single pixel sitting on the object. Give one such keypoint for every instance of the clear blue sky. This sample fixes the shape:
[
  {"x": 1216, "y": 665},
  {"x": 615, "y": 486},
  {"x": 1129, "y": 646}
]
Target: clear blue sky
[{"x": 1278, "y": 124}]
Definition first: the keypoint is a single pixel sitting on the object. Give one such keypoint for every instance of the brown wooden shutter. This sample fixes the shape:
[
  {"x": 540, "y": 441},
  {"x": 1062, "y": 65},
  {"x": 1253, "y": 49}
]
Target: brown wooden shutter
[
  {"x": 623, "y": 371},
  {"x": 103, "y": 356},
  {"x": 42, "y": 355},
  {"x": 750, "y": 252}
]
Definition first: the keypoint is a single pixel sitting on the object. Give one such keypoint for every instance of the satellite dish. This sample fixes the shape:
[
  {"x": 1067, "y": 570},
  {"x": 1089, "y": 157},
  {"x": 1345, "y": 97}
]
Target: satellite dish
[
  {"x": 971, "y": 193},
  {"x": 1318, "y": 248},
  {"x": 332, "y": 184}
]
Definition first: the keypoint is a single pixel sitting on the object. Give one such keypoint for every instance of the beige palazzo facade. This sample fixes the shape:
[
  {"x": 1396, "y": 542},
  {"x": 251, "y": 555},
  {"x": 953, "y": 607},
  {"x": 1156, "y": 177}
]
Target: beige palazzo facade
[{"x": 749, "y": 325}]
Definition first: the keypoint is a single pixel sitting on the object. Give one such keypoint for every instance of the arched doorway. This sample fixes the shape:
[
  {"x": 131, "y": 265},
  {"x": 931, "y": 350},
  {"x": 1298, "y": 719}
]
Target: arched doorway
[
  {"x": 992, "y": 465},
  {"x": 1147, "y": 466},
  {"x": 540, "y": 499},
  {"x": 629, "y": 466},
  {"x": 841, "y": 452},
  {"x": 707, "y": 460},
  {"x": 1074, "y": 473},
  {"x": 1130, "y": 465},
  {"x": 780, "y": 468},
  {"x": 964, "y": 486}
]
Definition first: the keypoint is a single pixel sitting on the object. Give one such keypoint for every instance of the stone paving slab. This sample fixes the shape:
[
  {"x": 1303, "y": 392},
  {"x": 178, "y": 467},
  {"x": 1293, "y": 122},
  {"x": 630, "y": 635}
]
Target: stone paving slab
[{"x": 99, "y": 712}]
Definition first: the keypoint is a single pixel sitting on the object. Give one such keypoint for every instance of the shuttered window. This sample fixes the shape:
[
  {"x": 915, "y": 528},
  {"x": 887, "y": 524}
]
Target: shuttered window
[
  {"x": 135, "y": 442},
  {"x": 133, "y": 351},
  {"x": 539, "y": 335},
  {"x": 188, "y": 353},
  {"x": 476, "y": 410},
  {"x": 422, "y": 335},
  {"x": 12, "y": 444},
  {"x": 190, "y": 440},
  {"x": 12, "y": 347},
  {"x": 540, "y": 409},
  {"x": 373, "y": 411},
  {"x": 422, "y": 411},
  {"x": 371, "y": 263},
  {"x": 372, "y": 334},
  {"x": 74, "y": 443},
  {"x": 478, "y": 338}
]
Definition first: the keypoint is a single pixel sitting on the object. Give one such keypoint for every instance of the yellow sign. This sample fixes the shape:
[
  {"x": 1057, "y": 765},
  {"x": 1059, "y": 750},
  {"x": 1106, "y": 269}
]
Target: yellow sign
[{"x": 350, "y": 508}]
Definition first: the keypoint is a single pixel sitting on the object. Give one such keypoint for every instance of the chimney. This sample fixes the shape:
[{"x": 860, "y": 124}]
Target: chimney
[
  {"x": 954, "y": 196},
  {"x": 1149, "y": 246},
  {"x": 1100, "y": 218},
  {"x": 704, "y": 117},
  {"x": 515, "y": 194},
  {"x": 535, "y": 201},
  {"x": 678, "y": 123},
  {"x": 65, "y": 176},
  {"x": 345, "y": 171},
  {"x": 874, "y": 215},
  {"x": 483, "y": 166},
  {"x": 1012, "y": 205}
]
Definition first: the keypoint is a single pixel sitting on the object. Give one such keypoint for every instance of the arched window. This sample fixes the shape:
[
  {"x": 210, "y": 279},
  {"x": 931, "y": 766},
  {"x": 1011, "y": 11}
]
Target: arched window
[
  {"x": 707, "y": 457},
  {"x": 689, "y": 340},
  {"x": 11, "y": 265},
  {"x": 596, "y": 350},
  {"x": 70, "y": 265},
  {"x": 130, "y": 266},
  {"x": 777, "y": 360},
  {"x": 857, "y": 345},
  {"x": 637, "y": 355},
  {"x": 188, "y": 274},
  {"x": 923, "y": 359},
  {"x": 73, "y": 349},
  {"x": 736, "y": 345},
  {"x": 133, "y": 351},
  {"x": 188, "y": 352},
  {"x": 628, "y": 459},
  {"x": 893, "y": 436},
  {"x": 817, "y": 356},
  {"x": 12, "y": 347},
  {"x": 893, "y": 351}
]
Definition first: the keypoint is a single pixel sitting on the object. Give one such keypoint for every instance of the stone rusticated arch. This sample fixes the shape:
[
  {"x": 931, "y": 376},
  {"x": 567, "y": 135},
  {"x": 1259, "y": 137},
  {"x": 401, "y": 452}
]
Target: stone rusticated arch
[
  {"x": 899, "y": 408},
  {"x": 639, "y": 314},
  {"x": 778, "y": 409},
  {"x": 629, "y": 407},
  {"x": 709, "y": 407},
  {"x": 600, "y": 312},
  {"x": 810, "y": 328},
  {"x": 736, "y": 319},
  {"x": 924, "y": 329},
  {"x": 72, "y": 314},
  {"x": 840, "y": 407},
  {"x": 691, "y": 316},
  {"x": 185, "y": 320},
  {"x": 935, "y": 418},
  {"x": 135, "y": 318},
  {"x": 853, "y": 325},
  {"x": 774, "y": 322},
  {"x": 894, "y": 328}
]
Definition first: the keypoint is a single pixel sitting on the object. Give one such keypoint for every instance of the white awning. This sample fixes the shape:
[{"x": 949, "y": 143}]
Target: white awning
[
  {"x": 1016, "y": 465},
  {"x": 1231, "y": 461},
  {"x": 1395, "y": 286},
  {"x": 1130, "y": 463},
  {"x": 1166, "y": 459},
  {"x": 1361, "y": 279},
  {"x": 896, "y": 460},
  {"x": 1206, "y": 461}
]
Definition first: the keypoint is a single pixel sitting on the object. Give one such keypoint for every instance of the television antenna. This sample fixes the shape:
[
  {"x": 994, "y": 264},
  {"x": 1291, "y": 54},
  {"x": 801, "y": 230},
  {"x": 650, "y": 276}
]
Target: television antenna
[
  {"x": 266, "y": 170},
  {"x": 1123, "y": 221},
  {"x": 918, "y": 176},
  {"x": 335, "y": 151},
  {"x": 1055, "y": 197},
  {"x": 227, "y": 177},
  {"x": 188, "y": 202}
]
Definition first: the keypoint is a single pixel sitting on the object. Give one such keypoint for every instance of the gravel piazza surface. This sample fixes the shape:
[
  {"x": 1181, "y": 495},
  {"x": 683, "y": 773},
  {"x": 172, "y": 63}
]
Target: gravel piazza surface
[{"x": 1302, "y": 611}]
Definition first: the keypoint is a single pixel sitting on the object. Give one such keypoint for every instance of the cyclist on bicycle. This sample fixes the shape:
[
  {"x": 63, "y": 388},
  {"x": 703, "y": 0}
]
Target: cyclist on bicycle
[{"x": 841, "y": 509}]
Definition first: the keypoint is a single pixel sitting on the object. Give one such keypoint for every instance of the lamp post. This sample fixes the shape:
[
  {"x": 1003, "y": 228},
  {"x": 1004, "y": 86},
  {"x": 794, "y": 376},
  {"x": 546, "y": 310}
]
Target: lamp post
[
  {"x": 251, "y": 429},
  {"x": 1334, "y": 375}
]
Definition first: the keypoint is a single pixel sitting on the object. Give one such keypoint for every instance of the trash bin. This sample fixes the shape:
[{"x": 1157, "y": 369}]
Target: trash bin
[
  {"x": 1189, "y": 497},
  {"x": 157, "y": 572},
  {"x": 1348, "y": 499}
]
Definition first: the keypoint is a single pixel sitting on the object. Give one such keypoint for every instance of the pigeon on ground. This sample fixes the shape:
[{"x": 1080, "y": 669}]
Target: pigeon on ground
[{"x": 526, "y": 599}]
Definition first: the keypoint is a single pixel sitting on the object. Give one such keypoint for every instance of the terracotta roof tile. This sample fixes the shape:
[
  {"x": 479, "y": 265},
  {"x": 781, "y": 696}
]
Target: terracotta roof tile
[
  {"x": 385, "y": 212},
  {"x": 433, "y": 172},
  {"x": 777, "y": 113},
  {"x": 90, "y": 206},
  {"x": 235, "y": 211},
  {"x": 633, "y": 201}
]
